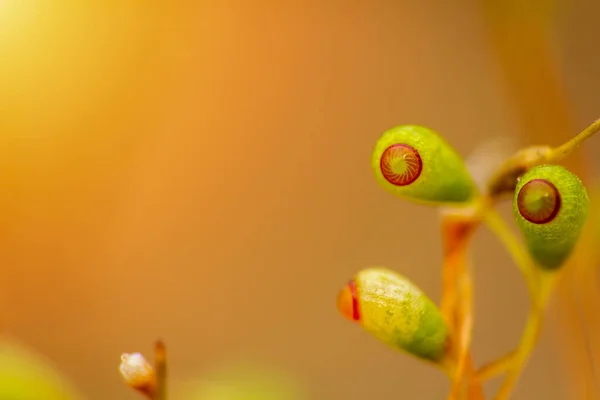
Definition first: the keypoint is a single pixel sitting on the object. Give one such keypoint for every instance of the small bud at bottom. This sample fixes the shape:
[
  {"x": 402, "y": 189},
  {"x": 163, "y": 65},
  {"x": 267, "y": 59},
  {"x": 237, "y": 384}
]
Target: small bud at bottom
[{"x": 138, "y": 373}]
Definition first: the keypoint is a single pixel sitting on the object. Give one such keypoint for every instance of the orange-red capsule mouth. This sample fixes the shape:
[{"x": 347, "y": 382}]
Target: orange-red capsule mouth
[{"x": 347, "y": 302}]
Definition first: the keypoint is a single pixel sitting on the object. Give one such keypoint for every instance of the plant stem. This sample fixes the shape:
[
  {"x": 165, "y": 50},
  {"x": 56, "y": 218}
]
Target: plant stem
[
  {"x": 540, "y": 286},
  {"x": 465, "y": 324},
  {"x": 465, "y": 332},
  {"x": 474, "y": 388},
  {"x": 530, "y": 335},
  {"x": 160, "y": 366},
  {"x": 504, "y": 180},
  {"x": 515, "y": 249},
  {"x": 567, "y": 148},
  {"x": 520, "y": 35},
  {"x": 496, "y": 367},
  {"x": 457, "y": 301},
  {"x": 534, "y": 285}
]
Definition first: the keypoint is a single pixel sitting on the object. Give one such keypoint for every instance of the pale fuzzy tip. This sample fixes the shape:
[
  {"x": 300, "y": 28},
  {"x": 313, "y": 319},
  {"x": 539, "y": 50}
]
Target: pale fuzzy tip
[{"x": 136, "y": 371}]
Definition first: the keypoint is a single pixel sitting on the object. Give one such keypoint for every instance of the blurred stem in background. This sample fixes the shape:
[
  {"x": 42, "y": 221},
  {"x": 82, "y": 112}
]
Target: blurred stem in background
[
  {"x": 520, "y": 35},
  {"x": 144, "y": 378},
  {"x": 26, "y": 374},
  {"x": 160, "y": 364}
]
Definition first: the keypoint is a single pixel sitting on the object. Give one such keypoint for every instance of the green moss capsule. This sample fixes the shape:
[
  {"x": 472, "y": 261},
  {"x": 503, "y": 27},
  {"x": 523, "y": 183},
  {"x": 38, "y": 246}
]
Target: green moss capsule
[
  {"x": 396, "y": 312},
  {"x": 415, "y": 163},
  {"x": 551, "y": 206}
]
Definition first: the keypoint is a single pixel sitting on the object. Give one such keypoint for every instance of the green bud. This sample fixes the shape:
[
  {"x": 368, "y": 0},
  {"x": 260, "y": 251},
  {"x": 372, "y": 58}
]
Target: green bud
[
  {"x": 415, "y": 163},
  {"x": 551, "y": 206},
  {"x": 396, "y": 312}
]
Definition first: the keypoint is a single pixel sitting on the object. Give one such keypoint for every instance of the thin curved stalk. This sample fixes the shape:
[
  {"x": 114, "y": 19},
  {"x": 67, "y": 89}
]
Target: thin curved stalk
[
  {"x": 532, "y": 279},
  {"x": 530, "y": 336},
  {"x": 567, "y": 148},
  {"x": 457, "y": 302},
  {"x": 513, "y": 246},
  {"x": 540, "y": 287}
]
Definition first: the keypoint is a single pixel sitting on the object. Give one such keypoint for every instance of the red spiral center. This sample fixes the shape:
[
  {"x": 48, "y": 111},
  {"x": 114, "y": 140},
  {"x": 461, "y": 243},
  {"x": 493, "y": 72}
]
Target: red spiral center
[
  {"x": 539, "y": 201},
  {"x": 401, "y": 164}
]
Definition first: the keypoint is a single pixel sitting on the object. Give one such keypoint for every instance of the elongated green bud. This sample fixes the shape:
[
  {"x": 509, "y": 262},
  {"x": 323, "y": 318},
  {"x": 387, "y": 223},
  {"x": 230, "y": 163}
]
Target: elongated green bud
[
  {"x": 551, "y": 206},
  {"x": 396, "y": 312},
  {"x": 415, "y": 163}
]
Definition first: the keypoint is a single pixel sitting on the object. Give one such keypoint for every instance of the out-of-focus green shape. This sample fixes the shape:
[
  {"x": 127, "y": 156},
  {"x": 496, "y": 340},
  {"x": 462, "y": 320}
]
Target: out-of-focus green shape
[
  {"x": 242, "y": 382},
  {"x": 25, "y": 375}
]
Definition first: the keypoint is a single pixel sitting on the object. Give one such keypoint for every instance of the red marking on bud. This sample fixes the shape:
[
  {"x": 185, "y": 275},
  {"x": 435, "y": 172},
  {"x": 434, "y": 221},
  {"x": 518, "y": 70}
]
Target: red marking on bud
[
  {"x": 539, "y": 201},
  {"x": 347, "y": 302},
  {"x": 401, "y": 164}
]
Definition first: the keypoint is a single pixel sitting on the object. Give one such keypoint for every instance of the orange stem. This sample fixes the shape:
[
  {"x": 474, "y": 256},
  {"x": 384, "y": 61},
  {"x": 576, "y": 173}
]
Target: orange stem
[
  {"x": 160, "y": 366},
  {"x": 457, "y": 302}
]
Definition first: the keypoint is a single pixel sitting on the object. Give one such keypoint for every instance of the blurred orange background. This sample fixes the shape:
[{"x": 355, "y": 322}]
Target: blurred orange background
[{"x": 199, "y": 171}]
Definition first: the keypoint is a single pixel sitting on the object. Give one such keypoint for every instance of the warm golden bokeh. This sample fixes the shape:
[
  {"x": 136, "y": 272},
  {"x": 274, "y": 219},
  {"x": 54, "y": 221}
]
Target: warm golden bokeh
[{"x": 199, "y": 171}]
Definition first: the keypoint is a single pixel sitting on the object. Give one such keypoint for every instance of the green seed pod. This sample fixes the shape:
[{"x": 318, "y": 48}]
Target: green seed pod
[
  {"x": 415, "y": 163},
  {"x": 396, "y": 312},
  {"x": 551, "y": 206}
]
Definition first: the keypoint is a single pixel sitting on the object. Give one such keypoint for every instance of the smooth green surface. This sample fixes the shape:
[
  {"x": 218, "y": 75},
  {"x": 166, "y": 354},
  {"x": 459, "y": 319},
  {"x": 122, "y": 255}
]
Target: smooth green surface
[
  {"x": 399, "y": 314},
  {"x": 444, "y": 178},
  {"x": 552, "y": 243},
  {"x": 242, "y": 382},
  {"x": 26, "y": 376},
  {"x": 595, "y": 199}
]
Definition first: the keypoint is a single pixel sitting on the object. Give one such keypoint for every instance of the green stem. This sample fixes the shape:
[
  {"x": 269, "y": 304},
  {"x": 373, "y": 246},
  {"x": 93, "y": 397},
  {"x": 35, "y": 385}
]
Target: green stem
[
  {"x": 496, "y": 367},
  {"x": 565, "y": 149},
  {"x": 515, "y": 249},
  {"x": 529, "y": 338},
  {"x": 504, "y": 180},
  {"x": 540, "y": 287}
]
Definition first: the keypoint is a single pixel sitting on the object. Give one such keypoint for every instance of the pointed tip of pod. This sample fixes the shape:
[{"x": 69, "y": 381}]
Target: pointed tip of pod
[{"x": 347, "y": 302}]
